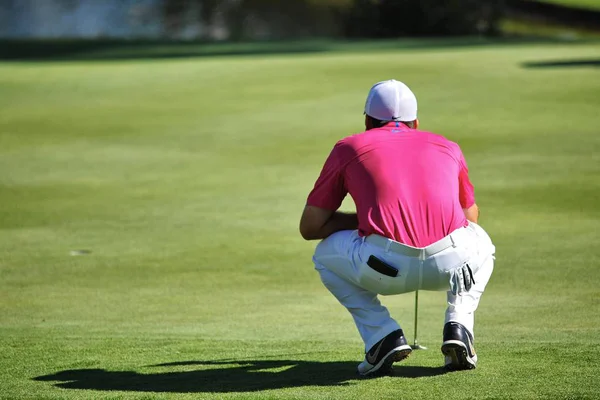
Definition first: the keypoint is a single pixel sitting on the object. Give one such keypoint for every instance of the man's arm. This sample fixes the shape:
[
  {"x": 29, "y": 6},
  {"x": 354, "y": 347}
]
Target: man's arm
[
  {"x": 319, "y": 223},
  {"x": 466, "y": 193},
  {"x": 472, "y": 213}
]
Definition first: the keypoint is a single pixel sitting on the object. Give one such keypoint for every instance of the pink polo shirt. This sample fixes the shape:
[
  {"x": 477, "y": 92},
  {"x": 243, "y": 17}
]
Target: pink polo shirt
[{"x": 408, "y": 185}]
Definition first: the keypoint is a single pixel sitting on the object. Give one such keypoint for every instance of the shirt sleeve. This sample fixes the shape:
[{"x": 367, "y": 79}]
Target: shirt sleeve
[
  {"x": 330, "y": 188},
  {"x": 466, "y": 192}
]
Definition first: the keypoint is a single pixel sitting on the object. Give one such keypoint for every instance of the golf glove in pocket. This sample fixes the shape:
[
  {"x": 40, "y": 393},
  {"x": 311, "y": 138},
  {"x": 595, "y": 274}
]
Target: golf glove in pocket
[{"x": 461, "y": 279}]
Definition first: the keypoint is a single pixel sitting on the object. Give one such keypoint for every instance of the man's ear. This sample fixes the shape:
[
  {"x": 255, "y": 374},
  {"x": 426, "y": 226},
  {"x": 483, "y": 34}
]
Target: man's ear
[{"x": 416, "y": 124}]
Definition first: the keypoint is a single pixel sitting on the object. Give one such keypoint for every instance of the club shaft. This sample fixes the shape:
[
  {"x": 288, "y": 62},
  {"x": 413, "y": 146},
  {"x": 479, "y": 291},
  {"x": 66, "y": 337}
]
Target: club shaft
[{"x": 416, "y": 343}]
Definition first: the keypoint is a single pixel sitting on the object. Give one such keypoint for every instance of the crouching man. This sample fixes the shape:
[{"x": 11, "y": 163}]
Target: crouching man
[{"x": 415, "y": 228}]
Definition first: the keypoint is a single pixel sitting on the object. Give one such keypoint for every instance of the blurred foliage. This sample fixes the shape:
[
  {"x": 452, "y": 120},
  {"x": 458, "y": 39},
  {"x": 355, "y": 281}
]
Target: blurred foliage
[
  {"x": 275, "y": 19},
  {"x": 286, "y": 19},
  {"x": 393, "y": 18}
]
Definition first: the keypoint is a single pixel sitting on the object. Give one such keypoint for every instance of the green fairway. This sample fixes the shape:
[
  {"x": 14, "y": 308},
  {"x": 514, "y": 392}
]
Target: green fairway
[
  {"x": 183, "y": 180},
  {"x": 585, "y": 4}
]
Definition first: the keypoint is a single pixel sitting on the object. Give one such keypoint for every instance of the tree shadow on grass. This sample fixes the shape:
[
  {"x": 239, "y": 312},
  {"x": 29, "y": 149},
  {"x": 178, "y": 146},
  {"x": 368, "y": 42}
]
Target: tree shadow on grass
[
  {"x": 595, "y": 62},
  {"x": 112, "y": 50},
  {"x": 225, "y": 376}
]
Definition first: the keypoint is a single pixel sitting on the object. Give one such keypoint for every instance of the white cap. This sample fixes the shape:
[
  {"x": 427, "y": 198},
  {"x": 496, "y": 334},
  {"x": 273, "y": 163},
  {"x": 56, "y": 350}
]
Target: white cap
[{"x": 391, "y": 101}]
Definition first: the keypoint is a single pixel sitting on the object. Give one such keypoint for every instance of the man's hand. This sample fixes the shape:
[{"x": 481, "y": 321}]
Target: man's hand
[{"x": 318, "y": 223}]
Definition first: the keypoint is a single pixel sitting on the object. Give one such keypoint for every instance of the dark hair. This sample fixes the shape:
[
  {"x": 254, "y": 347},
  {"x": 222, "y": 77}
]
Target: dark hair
[{"x": 376, "y": 123}]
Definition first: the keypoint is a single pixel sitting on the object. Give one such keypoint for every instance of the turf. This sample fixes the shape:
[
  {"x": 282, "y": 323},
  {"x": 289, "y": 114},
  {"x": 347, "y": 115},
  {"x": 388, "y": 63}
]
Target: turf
[
  {"x": 583, "y": 4},
  {"x": 183, "y": 181}
]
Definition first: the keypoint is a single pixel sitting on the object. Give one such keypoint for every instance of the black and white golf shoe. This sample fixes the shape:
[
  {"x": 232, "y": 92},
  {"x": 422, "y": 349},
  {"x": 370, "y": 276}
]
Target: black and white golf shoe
[
  {"x": 458, "y": 347},
  {"x": 379, "y": 359}
]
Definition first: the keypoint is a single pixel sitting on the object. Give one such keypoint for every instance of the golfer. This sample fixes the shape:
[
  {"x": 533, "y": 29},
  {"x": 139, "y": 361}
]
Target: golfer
[{"x": 415, "y": 228}]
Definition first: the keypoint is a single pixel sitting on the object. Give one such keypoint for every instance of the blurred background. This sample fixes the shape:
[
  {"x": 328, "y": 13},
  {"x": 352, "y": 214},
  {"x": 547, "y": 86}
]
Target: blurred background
[{"x": 214, "y": 20}]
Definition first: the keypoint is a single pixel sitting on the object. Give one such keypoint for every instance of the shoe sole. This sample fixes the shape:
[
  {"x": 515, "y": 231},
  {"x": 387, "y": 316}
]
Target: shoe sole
[
  {"x": 457, "y": 352},
  {"x": 385, "y": 365}
]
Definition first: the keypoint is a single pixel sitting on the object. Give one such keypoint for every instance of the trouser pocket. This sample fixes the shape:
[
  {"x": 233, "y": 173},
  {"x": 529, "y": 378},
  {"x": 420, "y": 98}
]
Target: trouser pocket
[
  {"x": 382, "y": 267},
  {"x": 382, "y": 283}
]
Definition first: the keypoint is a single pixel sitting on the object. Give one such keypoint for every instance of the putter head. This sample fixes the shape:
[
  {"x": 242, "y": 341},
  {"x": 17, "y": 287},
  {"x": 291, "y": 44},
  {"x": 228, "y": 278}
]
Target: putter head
[{"x": 417, "y": 346}]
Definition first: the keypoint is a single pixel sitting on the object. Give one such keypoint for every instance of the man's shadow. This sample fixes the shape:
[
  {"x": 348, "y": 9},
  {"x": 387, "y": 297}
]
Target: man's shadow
[{"x": 224, "y": 376}]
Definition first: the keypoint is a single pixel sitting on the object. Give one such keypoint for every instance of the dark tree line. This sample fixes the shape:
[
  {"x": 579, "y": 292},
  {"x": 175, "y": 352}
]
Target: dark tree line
[
  {"x": 394, "y": 18},
  {"x": 250, "y": 19}
]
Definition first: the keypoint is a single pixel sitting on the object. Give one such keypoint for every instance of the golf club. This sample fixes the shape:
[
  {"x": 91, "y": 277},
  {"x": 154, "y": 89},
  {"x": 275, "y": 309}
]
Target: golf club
[{"x": 416, "y": 345}]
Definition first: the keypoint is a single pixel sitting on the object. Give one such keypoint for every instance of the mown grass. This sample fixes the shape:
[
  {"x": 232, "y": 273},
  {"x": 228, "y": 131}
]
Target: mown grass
[
  {"x": 184, "y": 179},
  {"x": 584, "y": 4},
  {"x": 523, "y": 27}
]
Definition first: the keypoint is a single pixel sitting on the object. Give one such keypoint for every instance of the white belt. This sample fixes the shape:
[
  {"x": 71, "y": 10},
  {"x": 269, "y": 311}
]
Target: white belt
[{"x": 422, "y": 252}]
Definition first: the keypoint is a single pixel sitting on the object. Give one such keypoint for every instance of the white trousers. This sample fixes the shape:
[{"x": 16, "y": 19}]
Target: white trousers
[{"x": 341, "y": 260}]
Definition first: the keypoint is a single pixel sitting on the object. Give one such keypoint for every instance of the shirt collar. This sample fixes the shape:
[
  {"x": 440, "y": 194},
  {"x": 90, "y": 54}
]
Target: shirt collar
[{"x": 396, "y": 124}]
